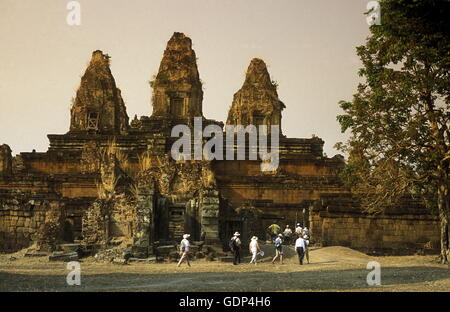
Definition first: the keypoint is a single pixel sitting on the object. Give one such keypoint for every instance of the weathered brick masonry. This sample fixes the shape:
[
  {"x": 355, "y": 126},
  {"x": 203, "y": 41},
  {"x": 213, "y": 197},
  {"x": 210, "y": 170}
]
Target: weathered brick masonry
[{"x": 108, "y": 180}]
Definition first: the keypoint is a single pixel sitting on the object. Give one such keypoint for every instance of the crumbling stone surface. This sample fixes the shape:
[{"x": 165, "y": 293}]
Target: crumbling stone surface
[
  {"x": 95, "y": 223},
  {"x": 90, "y": 157},
  {"x": 118, "y": 254},
  {"x": 5, "y": 161},
  {"x": 109, "y": 219},
  {"x": 257, "y": 102},
  {"x": 27, "y": 218},
  {"x": 177, "y": 89},
  {"x": 50, "y": 232},
  {"x": 183, "y": 178},
  {"x": 98, "y": 104}
]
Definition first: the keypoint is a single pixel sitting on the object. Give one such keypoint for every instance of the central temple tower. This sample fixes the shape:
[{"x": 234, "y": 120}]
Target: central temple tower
[{"x": 177, "y": 89}]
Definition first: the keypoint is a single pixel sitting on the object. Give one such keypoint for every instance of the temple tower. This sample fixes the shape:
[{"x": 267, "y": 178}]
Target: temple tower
[
  {"x": 98, "y": 106},
  {"x": 177, "y": 89},
  {"x": 257, "y": 102},
  {"x": 5, "y": 161}
]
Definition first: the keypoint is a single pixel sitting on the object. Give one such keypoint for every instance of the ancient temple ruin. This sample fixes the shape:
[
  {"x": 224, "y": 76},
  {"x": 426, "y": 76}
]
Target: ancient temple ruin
[{"x": 108, "y": 180}]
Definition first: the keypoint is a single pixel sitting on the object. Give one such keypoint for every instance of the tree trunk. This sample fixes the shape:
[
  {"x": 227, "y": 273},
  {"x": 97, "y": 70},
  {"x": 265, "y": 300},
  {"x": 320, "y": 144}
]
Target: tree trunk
[
  {"x": 443, "y": 218},
  {"x": 442, "y": 170}
]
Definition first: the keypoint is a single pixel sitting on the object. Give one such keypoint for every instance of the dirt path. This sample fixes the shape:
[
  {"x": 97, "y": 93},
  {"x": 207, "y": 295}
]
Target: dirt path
[{"x": 331, "y": 269}]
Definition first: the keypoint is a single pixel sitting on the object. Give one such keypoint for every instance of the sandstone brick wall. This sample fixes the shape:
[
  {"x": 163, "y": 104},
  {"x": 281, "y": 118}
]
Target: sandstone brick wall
[
  {"x": 392, "y": 234},
  {"x": 20, "y": 222}
]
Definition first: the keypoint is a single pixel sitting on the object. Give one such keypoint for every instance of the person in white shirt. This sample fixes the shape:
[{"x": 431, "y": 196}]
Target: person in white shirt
[
  {"x": 305, "y": 231},
  {"x": 254, "y": 249},
  {"x": 287, "y": 234},
  {"x": 184, "y": 250},
  {"x": 300, "y": 247},
  {"x": 298, "y": 230}
]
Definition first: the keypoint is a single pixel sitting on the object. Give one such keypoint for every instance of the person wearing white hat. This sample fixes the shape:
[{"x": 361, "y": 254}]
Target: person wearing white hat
[
  {"x": 306, "y": 238},
  {"x": 287, "y": 234},
  {"x": 298, "y": 230},
  {"x": 305, "y": 231},
  {"x": 235, "y": 246},
  {"x": 278, "y": 249},
  {"x": 184, "y": 250},
  {"x": 300, "y": 248},
  {"x": 254, "y": 249}
]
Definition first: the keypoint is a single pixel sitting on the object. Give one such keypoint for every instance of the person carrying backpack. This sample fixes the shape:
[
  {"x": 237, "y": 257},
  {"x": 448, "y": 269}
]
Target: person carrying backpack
[
  {"x": 278, "y": 249},
  {"x": 235, "y": 246}
]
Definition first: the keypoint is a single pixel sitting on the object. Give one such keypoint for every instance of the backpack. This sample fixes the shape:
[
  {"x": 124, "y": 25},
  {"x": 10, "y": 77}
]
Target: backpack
[
  {"x": 277, "y": 243},
  {"x": 232, "y": 243}
]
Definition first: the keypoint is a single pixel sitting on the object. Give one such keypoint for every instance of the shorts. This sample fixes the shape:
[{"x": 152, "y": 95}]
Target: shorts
[{"x": 278, "y": 251}]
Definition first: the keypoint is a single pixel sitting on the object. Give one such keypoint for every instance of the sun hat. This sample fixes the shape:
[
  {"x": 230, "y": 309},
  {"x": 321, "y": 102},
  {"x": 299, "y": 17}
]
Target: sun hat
[
  {"x": 254, "y": 238},
  {"x": 236, "y": 234},
  {"x": 186, "y": 236},
  {"x": 280, "y": 235}
]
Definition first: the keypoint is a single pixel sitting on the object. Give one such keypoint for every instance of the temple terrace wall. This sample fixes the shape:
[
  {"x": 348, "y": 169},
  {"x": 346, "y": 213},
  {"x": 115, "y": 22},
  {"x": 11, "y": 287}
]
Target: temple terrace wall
[{"x": 384, "y": 234}]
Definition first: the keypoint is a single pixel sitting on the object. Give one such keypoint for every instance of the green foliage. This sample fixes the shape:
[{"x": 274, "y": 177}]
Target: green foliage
[{"x": 400, "y": 115}]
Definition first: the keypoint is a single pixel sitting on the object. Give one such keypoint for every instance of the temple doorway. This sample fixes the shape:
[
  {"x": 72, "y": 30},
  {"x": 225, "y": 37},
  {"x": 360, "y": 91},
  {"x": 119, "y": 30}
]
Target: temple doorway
[{"x": 177, "y": 222}]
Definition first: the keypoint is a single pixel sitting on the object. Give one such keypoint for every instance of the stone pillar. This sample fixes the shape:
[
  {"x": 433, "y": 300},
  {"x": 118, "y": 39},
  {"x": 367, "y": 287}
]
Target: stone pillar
[
  {"x": 144, "y": 235},
  {"x": 5, "y": 161},
  {"x": 210, "y": 215}
]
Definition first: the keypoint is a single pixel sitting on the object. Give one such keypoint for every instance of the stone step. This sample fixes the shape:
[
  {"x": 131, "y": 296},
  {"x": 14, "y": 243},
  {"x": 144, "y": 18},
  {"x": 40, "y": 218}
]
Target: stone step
[
  {"x": 69, "y": 247},
  {"x": 62, "y": 256},
  {"x": 145, "y": 260},
  {"x": 165, "y": 250},
  {"x": 35, "y": 253}
]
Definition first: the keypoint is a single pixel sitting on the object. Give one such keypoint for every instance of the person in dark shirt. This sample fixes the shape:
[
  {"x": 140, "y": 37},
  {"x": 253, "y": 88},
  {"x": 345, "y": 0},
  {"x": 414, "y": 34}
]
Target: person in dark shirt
[
  {"x": 278, "y": 249},
  {"x": 235, "y": 246}
]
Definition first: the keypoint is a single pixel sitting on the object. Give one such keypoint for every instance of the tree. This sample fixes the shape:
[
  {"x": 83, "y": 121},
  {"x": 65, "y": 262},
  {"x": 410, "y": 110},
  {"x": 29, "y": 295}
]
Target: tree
[{"x": 399, "y": 118}]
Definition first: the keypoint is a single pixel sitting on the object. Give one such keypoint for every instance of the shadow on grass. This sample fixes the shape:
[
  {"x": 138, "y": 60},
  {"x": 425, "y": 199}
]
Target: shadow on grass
[{"x": 224, "y": 281}]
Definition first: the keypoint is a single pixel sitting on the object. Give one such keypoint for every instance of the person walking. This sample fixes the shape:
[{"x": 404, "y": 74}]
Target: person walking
[
  {"x": 306, "y": 238},
  {"x": 254, "y": 249},
  {"x": 298, "y": 230},
  {"x": 274, "y": 230},
  {"x": 287, "y": 234},
  {"x": 184, "y": 250},
  {"x": 235, "y": 246},
  {"x": 278, "y": 249},
  {"x": 305, "y": 231},
  {"x": 300, "y": 248}
]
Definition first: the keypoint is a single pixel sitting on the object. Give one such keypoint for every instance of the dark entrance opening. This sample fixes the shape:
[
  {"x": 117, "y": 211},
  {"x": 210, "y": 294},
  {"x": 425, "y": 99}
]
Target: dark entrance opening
[
  {"x": 68, "y": 231},
  {"x": 176, "y": 222}
]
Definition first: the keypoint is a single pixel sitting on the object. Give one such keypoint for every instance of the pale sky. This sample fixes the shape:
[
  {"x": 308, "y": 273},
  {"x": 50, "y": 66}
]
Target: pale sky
[{"x": 309, "y": 46}]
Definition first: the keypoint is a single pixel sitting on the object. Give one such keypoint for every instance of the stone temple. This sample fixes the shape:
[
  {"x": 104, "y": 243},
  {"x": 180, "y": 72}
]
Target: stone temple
[{"x": 110, "y": 180}]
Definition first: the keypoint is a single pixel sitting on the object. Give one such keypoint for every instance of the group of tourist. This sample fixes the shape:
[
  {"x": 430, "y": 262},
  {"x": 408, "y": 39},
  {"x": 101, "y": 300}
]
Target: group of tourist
[
  {"x": 274, "y": 231},
  {"x": 279, "y": 239},
  {"x": 301, "y": 247}
]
